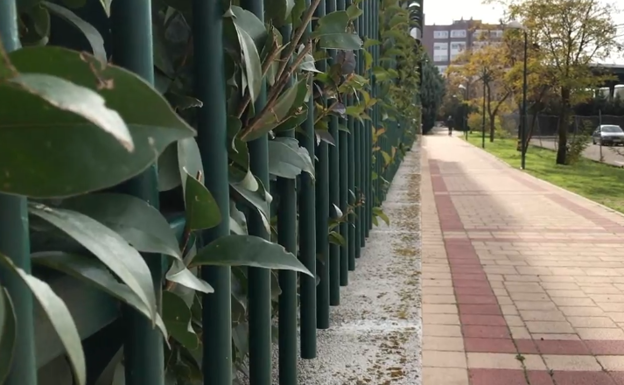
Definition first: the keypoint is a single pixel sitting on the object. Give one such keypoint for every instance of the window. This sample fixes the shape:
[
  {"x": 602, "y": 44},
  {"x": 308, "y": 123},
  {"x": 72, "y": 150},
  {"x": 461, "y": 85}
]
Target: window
[
  {"x": 479, "y": 33},
  {"x": 440, "y": 46},
  {"x": 439, "y": 58},
  {"x": 477, "y": 45},
  {"x": 442, "y": 69},
  {"x": 458, "y": 47},
  {"x": 458, "y": 33},
  {"x": 496, "y": 34},
  {"x": 440, "y": 34}
]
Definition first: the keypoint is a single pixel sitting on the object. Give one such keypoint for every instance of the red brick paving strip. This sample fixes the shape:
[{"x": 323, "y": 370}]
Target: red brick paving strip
[{"x": 483, "y": 326}]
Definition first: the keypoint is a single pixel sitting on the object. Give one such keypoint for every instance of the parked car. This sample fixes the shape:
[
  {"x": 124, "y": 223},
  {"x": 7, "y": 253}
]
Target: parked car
[{"x": 608, "y": 135}]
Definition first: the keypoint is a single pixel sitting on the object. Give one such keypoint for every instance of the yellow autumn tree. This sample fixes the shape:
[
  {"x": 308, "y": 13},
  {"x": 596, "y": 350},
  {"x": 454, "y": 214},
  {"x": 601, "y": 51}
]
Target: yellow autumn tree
[
  {"x": 488, "y": 65},
  {"x": 571, "y": 35}
]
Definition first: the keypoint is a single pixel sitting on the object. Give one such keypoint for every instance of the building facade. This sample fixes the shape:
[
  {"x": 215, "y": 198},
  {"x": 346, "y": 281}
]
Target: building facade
[{"x": 445, "y": 43}]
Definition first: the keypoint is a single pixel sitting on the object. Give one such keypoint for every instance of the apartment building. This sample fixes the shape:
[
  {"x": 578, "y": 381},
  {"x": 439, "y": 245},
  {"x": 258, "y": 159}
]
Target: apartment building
[{"x": 445, "y": 43}]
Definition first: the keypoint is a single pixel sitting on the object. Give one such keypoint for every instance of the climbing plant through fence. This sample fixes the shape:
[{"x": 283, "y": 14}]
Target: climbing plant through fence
[{"x": 185, "y": 183}]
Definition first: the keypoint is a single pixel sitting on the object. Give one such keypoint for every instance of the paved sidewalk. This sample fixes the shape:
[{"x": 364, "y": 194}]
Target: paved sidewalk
[{"x": 523, "y": 283}]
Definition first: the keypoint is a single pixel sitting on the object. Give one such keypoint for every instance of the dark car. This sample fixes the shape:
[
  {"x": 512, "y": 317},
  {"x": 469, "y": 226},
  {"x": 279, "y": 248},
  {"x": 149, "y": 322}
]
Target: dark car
[{"x": 608, "y": 135}]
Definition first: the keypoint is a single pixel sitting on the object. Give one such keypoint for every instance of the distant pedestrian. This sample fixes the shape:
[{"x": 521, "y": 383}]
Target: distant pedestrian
[{"x": 449, "y": 124}]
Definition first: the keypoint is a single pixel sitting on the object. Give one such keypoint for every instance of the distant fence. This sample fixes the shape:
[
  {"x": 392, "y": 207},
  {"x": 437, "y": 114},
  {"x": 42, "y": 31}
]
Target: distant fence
[{"x": 546, "y": 126}]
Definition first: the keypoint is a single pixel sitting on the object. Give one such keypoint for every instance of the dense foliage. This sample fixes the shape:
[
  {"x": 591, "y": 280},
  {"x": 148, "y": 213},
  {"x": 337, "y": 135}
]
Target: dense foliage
[
  {"x": 432, "y": 92},
  {"x": 98, "y": 125}
]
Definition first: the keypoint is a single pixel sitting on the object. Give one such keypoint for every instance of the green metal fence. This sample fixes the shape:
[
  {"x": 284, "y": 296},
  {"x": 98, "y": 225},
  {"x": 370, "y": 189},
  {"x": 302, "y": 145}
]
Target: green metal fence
[{"x": 184, "y": 183}]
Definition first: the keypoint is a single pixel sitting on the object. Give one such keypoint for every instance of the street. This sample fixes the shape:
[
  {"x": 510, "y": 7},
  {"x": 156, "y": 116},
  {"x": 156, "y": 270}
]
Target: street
[{"x": 610, "y": 155}]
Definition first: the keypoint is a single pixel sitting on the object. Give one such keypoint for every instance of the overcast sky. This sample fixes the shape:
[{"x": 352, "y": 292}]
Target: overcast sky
[{"x": 445, "y": 11}]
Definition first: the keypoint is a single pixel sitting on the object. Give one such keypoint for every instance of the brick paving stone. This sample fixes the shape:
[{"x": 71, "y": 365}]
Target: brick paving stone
[
  {"x": 515, "y": 269},
  {"x": 519, "y": 277}
]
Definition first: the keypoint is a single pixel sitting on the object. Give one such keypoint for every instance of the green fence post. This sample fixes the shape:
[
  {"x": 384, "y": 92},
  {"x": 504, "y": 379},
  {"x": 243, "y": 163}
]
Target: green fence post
[
  {"x": 355, "y": 162},
  {"x": 363, "y": 158},
  {"x": 131, "y": 28},
  {"x": 15, "y": 243},
  {"x": 334, "y": 190},
  {"x": 368, "y": 136},
  {"x": 322, "y": 216},
  {"x": 307, "y": 237},
  {"x": 343, "y": 180},
  {"x": 212, "y": 142},
  {"x": 351, "y": 191},
  {"x": 287, "y": 237},
  {"x": 259, "y": 280}
]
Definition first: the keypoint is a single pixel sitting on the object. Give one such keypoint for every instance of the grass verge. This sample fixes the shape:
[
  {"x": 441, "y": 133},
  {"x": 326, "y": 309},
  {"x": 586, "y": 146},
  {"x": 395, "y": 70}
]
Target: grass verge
[{"x": 599, "y": 182}]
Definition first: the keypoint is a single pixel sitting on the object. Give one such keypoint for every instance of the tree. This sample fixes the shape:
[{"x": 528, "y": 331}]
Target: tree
[
  {"x": 433, "y": 89},
  {"x": 490, "y": 64},
  {"x": 571, "y": 34}
]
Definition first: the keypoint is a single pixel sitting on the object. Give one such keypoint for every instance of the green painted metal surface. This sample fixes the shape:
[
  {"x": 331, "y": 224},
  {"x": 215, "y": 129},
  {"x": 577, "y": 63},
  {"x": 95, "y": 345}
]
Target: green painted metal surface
[
  {"x": 212, "y": 140},
  {"x": 307, "y": 237}
]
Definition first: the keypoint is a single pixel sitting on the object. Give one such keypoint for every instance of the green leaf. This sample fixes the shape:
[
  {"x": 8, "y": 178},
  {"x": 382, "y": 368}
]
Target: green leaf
[
  {"x": 287, "y": 159},
  {"x": 336, "y": 238},
  {"x": 387, "y": 158},
  {"x": 251, "y": 59},
  {"x": 36, "y": 26},
  {"x": 183, "y": 276},
  {"x": 95, "y": 273},
  {"x": 93, "y": 36},
  {"x": 247, "y": 250},
  {"x": 48, "y": 149},
  {"x": 238, "y": 221},
  {"x": 371, "y": 42},
  {"x": 297, "y": 13},
  {"x": 139, "y": 223},
  {"x": 8, "y": 333},
  {"x": 106, "y": 4},
  {"x": 377, "y": 212},
  {"x": 308, "y": 63},
  {"x": 259, "y": 199},
  {"x": 251, "y": 24},
  {"x": 278, "y": 12},
  {"x": 202, "y": 211},
  {"x": 280, "y": 112},
  {"x": 189, "y": 160},
  {"x": 168, "y": 170},
  {"x": 108, "y": 246},
  {"x": 353, "y": 11},
  {"x": 59, "y": 317},
  {"x": 332, "y": 32},
  {"x": 177, "y": 317}
]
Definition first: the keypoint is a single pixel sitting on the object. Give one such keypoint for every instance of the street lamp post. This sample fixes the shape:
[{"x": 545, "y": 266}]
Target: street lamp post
[
  {"x": 464, "y": 117},
  {"x": 524, "y": 146}
]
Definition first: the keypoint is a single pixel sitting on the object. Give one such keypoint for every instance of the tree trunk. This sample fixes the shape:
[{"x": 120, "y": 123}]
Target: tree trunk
[
  {"x": 564, "y": 117},
  {"x": 529, "y": 135},
  {"x": 490, "y": 114}
]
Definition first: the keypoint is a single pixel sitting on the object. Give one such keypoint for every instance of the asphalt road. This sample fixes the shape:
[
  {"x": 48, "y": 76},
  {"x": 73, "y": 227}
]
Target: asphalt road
[{"x": 610, "y": 155}]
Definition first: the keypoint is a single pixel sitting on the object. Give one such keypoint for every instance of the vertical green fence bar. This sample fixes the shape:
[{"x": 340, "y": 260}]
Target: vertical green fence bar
[
  {"x": 212, "y": 141},
  {"x": 131, "y": 27},
  {"x": 343, "y": 148},
  {"x": 15, "y": 243},
  {"x": 367, "y": 135},
  {"x": 357, "y": 153},
  {"x": 365, "y": 128},
  {"x": 355, "y": 163},
  {"x": 287, "y": 237},
  {"x": 322, "y": 216},
  {"x": 351, "y": 200},
  {"x": 307, "y": 237},
  {"x": 259, "y": 280},
  {"x": 334, "y": 190}
]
